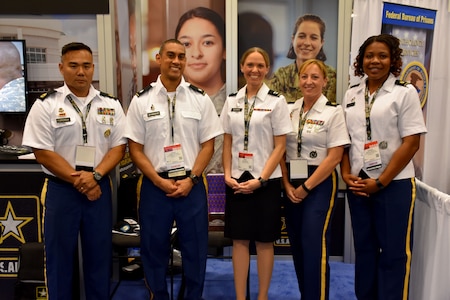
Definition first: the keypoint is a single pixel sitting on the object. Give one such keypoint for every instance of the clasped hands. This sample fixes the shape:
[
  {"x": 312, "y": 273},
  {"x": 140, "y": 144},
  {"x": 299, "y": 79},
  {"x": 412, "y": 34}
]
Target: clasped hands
[
  {"x": 246, "y": 187},
  {"x": 175, "y": 188},
  {"x": 296, "y": 195},
  {"x": 359, "y": 186},
  {"x": 86, "y": 184}
]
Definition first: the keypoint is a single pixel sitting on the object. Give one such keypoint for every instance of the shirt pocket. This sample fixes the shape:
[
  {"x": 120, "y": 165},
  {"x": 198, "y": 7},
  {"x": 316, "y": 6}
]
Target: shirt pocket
[
  {"x": 195, "y": 115},
  {"x": 108, "y": 120}
]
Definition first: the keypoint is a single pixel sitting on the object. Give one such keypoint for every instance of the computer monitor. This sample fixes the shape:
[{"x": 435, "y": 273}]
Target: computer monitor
[{"x": 13, "y": 77}]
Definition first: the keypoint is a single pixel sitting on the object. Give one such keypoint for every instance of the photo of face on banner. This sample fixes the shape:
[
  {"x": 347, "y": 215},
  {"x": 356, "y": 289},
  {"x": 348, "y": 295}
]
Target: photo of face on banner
[
  {"x": 202, "y": 31},
  {"x": 291, "y": 32},
  {"x": 201, "y": 28}
]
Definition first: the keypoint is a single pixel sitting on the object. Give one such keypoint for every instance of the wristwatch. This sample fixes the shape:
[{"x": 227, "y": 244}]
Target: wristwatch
[
  {"x": 263, "y": 182},
  {"x": 379, "y": 184},
  {"x": 97, "y": 176},
  {"x": 194, "y": 178}
]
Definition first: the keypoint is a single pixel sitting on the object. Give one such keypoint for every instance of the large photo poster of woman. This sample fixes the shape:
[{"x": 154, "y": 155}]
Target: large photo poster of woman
[
  {"x": 200, "y": 26},
  {"x": 291, "y": 32}
]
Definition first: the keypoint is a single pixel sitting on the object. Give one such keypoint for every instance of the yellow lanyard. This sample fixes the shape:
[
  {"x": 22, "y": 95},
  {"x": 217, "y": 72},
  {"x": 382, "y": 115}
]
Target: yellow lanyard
[{"x": 83, "y": 118}]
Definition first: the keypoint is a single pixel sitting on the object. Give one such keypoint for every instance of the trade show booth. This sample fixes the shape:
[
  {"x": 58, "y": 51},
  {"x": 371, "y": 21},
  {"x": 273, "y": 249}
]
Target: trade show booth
[{"x": 124, "y": 37}]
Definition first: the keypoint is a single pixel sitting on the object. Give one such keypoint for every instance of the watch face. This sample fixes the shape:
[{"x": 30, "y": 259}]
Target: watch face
[
  {"x": 97, "y": 176},
  {"x": 194, "y": 178}
]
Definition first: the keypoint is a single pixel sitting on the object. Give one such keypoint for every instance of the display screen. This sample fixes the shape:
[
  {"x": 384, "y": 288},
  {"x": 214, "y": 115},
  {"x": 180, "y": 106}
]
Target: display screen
[{"x": 13, "y": 76}]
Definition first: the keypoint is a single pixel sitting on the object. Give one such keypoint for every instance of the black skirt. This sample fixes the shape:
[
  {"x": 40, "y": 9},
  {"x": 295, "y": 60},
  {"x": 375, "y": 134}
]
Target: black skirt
[{"x": 256, "y": 216}]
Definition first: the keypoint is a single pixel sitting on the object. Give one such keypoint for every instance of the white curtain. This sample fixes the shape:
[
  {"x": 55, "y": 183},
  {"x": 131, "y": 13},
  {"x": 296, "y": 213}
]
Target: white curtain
[
  {"x": 367, "y": 22},
  {"x": 430, "y": 269}
]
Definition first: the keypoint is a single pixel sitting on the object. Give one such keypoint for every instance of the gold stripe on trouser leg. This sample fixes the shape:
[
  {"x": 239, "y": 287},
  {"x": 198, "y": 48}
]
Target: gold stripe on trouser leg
[
  {"x": 138, "y": 191},
  {"x": 43, "y": 196},
  {"x": 324, "y": 242},
  {"x": 408, "y": 241}
]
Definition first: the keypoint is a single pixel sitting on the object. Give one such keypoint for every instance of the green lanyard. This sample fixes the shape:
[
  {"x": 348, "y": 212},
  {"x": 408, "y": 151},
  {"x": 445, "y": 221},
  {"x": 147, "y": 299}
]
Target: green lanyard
[
  {"x": 83, "y": 118},
  {"x": 172, "y": 114},
  {"x": 247, "y": 116},
  {"x": 368, "y": 108},
  {"x": 301, "y": 124}
]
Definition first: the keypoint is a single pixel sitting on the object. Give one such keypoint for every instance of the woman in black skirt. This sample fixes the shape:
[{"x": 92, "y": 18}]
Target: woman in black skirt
[{"x": 255, "y": 121}]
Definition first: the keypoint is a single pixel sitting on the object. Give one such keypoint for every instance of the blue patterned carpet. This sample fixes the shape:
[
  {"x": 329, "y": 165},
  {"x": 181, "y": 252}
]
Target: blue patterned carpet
[{"x": 219, "y": 282}]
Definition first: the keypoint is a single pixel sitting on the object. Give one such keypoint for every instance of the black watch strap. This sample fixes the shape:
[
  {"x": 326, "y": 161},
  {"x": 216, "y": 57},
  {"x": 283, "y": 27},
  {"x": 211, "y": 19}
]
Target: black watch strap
[
  {"x": 379, "y": 184},
  {"x": 195, "y": 179},
  {"x": 263, "y": 182}
]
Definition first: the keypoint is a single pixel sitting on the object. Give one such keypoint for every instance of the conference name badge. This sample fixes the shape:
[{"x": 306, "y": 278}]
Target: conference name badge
[
  {"x": 245, "y": 161},
  {"x": 85, "y": 156},
  {"x": 299, "y": 169},
  {"x": 173, "y": 156},
  {"x": 372, "y": 157}
]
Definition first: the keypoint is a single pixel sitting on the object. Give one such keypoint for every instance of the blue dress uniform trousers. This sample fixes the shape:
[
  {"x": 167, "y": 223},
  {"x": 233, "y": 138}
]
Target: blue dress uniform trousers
[
  {"x": 382, "y": 231},
  {"x": 156, "y": 215},
  {"x": 67, "y": 214},
  {"x": 308, "y": 225}
]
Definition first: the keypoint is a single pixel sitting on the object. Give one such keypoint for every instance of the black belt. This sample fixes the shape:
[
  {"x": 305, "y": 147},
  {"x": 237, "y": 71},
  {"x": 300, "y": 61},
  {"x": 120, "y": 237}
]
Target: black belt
[
  {"x": 60, "y": 181},
  {"x": 57, "y": 180},
  {"x": 165, "y": 175},
  {"x": 83, "y": 168}
]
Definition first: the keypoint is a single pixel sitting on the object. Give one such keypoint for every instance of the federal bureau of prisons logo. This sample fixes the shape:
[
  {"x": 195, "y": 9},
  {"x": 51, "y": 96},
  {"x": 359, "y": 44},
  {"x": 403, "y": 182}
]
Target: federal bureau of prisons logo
[{"x": 416, "y": 74}]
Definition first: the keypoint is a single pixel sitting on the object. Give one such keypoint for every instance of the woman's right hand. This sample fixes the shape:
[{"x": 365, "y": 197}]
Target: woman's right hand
[
  {"x": 289, "y": 190},
  {"x": 354, "y": 182},
  {"x": 231, "y": 182}
]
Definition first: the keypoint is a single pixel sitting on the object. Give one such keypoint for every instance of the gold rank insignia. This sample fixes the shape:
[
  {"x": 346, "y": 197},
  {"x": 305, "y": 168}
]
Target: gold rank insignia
[{"x": 61, "y": 112}]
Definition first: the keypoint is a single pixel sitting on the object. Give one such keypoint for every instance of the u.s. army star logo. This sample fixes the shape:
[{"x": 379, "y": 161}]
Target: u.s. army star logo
[{"x": 11, "y": 225}]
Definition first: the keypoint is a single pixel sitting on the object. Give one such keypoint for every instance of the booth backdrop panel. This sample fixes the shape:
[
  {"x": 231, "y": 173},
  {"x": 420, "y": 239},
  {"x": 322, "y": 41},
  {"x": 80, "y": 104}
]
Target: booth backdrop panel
[{"x": 20, "y": 219}]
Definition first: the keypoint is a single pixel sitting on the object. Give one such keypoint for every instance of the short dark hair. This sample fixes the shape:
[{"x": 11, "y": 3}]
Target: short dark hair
[
  {"x": 169, "y": 41},
  {"x": 392, "y": 42},
  {"x": 74, "y": 46}
]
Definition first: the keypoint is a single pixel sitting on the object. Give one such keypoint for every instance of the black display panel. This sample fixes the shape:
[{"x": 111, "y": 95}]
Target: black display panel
[{"x": 54, "y": 7}]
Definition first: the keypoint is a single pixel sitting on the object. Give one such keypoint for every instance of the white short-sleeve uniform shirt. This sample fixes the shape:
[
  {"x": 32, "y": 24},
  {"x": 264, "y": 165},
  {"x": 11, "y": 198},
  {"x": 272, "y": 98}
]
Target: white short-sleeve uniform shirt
[
  {"x": 54, "y": 124},
  {"x": 270, "y": 118},
  {"x": 324, "y": 128},
  {"x": 149, "y": 123},
  {"x": 396, "y": 113}
]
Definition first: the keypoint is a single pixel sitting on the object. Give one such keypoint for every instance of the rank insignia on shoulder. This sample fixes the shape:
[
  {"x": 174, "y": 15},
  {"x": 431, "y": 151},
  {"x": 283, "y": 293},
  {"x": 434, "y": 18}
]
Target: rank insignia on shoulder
[
  {"x": 103, "y": 94},
  {"x": 232, "y": 94},
  {"x": 401, "y": 82},
  {"x": 329, "y": 103},
  {"x": 273, "y": 93},
  {"x": 45, "y": 95},
  {"x": 355, "y": 85},
  {"x": 144, "y": 90},
  {"x": 197, "y": 89}
]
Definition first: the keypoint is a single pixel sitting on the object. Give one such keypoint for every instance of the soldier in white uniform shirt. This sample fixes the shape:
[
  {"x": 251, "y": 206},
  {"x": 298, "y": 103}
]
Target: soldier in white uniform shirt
[
  {"x": 310, "y": 178},
  {"x": 171, "y": 126},
  {"x": 385, "y": 122},
  {"x": 77, "y": 135},
  {"x": 255, "y": 121}
]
